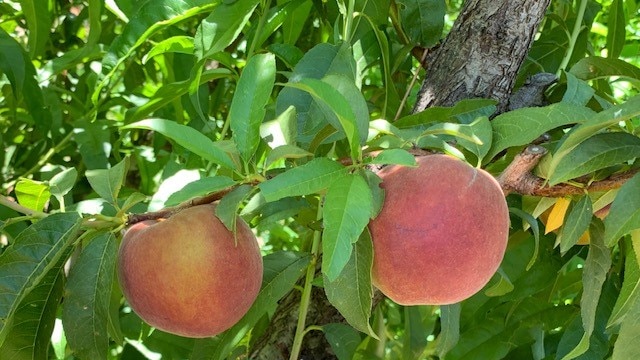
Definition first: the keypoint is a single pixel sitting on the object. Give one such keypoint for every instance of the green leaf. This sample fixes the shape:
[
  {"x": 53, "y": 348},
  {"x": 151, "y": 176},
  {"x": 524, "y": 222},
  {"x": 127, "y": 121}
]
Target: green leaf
[
  {"x": 150, "y": 18},
  {"x": 503, "y": 286},
  {"x": 227, "y": 209},
  {"x": 108, "y": 182},
  {"x": 482, "y": 130},
  {"x": 597, "y": 152},
  {"x": 32, "y": 194},
  {"x": 630, "y": 291},
  {"x": 522, "y": 126},
  {"x": 395, "y": 157},
  {"x": 450, "y": 329},
  {"x": 222, "y": 26},
  {"x": 468, "y": 109},
  {"x": 34, "y": 319},
  {"x": 87, "y": 298},
  {"x": 626, "y": 345},
  {"x": 181, "y": 44},
  {"x": 18, "y": 68},
  {"x": 535, "y": 228},
  {"x": 248, "y": 105},
  {"x": 339, "y": 105},
  {"x": 188, "y": 137},
  {"x": 286, "y": 152},
  {"x": 575, "y": 224},
  {"x": 348, "y": 206},
  {"x": 351, "y": 291},
  {"x": 94, "y": 143},
  {"x": 423, "y": 20},
  {"x": 200, "y": 187},
  {"x": 594, "y": 67},
  {"x": 322, "y": 60},
  {"x": 282, "y": 270},
  {"x": 624, "y": 215},
  {"x": 594, "y": 275},
  {"x": 275, "y": 18},
  {"x": 347, "y": 87},
  {"x": 62, "y": 182},
  {"x": 168, "y": 93},
  {"x": 34, "y": 252},
  {"x": 578, "y": 91},
  {"x": 592, "y": 126},
  {"x": 36, "y": 13},
  {"x": 310, "y": 178},
  {"x": 343, "y": 339},
  {"x": 616, "y": 32}
]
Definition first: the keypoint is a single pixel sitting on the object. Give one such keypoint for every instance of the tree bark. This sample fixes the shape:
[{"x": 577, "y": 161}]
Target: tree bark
[
  {"x": 482, "y": 54},
  {"x": 479, "y": 58}
]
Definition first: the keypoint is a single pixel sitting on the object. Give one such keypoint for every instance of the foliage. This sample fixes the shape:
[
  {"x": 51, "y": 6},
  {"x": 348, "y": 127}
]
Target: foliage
[{"x": 118, "y": 107}]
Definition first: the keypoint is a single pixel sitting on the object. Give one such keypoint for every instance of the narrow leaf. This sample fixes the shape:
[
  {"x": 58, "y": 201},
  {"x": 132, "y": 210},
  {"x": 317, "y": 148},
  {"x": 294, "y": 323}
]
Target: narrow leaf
[
  {"x": 188, "y": 137},
  {"x": 595, "y": 153},
  {"x": 557, "y": 214},
  {"x": 424, "y": 20},
  {"x": 624, "y": 215},
  {"x": 248, "y": 105},
  {"x": 594, "y": 274},
  {"x": 39, "y": 24},
  {"x": 34, "y": 252},
  {"x": 592, "y": 126},
  {"x": 395, "y": 157},
  {"x": 450, "y": 328},
  {"x": 87, "y": 298},
  {"x": 348, "y": 206},
  {"x": 222, "y": 26},
  {"x": 351, "y": 291},
  {"x": 522, "y": 126},
  {"x": 338, "y": 104},
  {"x": 630, "y": 292},
  {"x": 227, "y": 209},
  {"x": 310, "y": 178},
  {"x": 200, "y": 187},
  {"x": 616, "y": 31},
  {"x": 576, "y": 223}
]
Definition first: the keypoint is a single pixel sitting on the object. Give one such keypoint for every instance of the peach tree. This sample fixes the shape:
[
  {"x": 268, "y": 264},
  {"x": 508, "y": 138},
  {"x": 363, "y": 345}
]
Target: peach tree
[{"x": 286, "y": 115}]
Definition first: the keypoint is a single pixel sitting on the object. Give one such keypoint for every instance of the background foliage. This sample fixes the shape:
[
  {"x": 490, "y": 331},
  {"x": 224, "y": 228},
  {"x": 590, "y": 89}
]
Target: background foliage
[{"x": 116, "y": 107}]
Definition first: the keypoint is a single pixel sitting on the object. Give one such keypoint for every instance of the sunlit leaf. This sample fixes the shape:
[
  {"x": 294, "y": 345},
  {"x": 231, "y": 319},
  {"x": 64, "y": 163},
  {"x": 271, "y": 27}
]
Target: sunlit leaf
[
  {"x": 108, "y": 182},
  {"x": 250, "y": 98},
  {"x": 310, "y": 178},
  {"x": 557, "y": 214},
  {"x": 32, "y": 194},
  {"x": 189, "y": 138}
]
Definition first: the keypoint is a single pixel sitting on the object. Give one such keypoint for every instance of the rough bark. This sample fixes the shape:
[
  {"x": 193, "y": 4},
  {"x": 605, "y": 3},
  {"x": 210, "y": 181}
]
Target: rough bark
[
  {"x": 482, "y": 54},
  {"x": 479, "y": 58}
]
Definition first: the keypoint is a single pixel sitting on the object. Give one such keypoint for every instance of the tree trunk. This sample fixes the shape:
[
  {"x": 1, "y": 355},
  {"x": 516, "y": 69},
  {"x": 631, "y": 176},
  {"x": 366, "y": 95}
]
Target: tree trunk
[
  {"x": 479, "y": 58},
  {"x": 482, "y": 54}
]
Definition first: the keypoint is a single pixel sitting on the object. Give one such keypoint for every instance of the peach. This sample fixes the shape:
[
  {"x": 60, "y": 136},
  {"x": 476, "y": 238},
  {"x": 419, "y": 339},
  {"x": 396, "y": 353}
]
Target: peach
[
  {"x": 441, "y": 234},
  {"x": 188, "y": 275}
]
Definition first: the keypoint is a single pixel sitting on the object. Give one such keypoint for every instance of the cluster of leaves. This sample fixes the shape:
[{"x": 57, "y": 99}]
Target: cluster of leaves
[{"x": 109, "y": 108}]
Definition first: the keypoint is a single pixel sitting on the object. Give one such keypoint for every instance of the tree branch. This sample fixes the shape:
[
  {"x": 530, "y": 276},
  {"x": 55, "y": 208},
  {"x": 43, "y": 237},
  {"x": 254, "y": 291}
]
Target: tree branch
[{"x": 517, "y": 178}]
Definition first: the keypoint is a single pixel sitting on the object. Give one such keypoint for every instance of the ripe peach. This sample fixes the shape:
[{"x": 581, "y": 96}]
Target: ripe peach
[
  {"x": 187, "y": 275},
  {"x": 441, "y": 234}
]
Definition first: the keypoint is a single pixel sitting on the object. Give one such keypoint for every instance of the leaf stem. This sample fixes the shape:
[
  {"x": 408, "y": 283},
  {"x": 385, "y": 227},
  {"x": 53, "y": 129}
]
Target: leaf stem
[
  {"x": 577, "y": 27},
  {"x": 21, "y": 209},
  {"x": 306, "y": 292},
  {"x": 263, "y": 17}
]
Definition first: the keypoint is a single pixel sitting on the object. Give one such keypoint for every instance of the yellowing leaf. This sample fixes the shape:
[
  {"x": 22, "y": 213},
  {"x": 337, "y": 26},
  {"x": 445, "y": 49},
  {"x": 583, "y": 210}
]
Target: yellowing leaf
[{"x": 557, "y": 214}]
